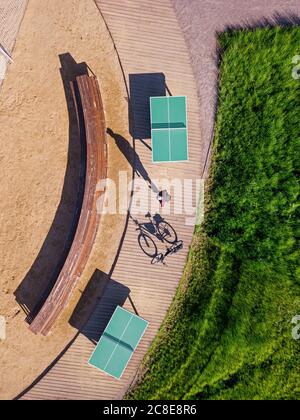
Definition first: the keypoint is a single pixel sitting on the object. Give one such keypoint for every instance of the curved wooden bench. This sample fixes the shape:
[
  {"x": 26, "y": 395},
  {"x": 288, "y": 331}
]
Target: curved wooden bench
[{"x": 86, "y": 90}]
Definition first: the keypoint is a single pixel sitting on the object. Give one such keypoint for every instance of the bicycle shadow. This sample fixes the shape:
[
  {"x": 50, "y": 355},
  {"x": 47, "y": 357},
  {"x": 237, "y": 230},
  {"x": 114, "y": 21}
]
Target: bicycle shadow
[{"x": 155, "y": 228}]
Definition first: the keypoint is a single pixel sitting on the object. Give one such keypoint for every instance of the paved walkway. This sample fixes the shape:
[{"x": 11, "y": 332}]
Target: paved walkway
[
  {"x": 152, "y": 51},
  {"x": 201, "y": 20},
  {"x": 11, "y": 14}
]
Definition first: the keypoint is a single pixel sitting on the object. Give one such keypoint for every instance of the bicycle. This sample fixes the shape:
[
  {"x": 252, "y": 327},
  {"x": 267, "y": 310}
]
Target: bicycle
[
  {"x": 160, "y": 258},
  {"x": 157, "y": 227}
]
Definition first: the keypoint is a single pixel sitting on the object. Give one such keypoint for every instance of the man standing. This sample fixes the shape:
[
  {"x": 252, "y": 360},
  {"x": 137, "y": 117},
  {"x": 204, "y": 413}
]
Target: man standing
[{"x": 163, "y": 197}]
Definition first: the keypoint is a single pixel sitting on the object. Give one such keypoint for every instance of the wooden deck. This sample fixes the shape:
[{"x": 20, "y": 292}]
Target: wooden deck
[
  {"x": 11, "y": 15},
  {"x": 88, "y": 101},
  {"x": 151, "y": 47}
]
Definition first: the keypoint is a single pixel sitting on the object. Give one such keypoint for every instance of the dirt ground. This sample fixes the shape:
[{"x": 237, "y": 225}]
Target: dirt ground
[{"x": 39, "y": 160}]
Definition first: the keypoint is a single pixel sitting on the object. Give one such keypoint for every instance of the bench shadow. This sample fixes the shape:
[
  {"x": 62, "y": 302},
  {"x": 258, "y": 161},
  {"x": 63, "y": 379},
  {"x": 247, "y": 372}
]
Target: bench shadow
[
  {"x": 141, "y": 88},
  {"x": 40, "y": 279}
]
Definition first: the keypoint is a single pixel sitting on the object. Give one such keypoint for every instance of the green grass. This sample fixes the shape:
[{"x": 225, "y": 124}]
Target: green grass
[{"x": 228, "y": 332}]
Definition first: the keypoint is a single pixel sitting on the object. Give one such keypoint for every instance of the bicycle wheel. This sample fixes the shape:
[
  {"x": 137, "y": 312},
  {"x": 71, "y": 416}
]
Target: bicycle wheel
[
  {"x": 167, "y": 232},
  {"x": 157, "y": 259},
  {"x": 147, "y": 245}
]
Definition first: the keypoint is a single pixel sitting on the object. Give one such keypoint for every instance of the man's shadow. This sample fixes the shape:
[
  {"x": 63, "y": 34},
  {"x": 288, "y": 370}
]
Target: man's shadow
[{"x": 133, "y": 158}]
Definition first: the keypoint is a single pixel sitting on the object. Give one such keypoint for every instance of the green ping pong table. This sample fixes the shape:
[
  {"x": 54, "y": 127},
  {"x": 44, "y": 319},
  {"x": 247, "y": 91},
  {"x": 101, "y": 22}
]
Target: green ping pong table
[
  {"x": 169, "y": 129},
  {"x": 118, "y": 342}
]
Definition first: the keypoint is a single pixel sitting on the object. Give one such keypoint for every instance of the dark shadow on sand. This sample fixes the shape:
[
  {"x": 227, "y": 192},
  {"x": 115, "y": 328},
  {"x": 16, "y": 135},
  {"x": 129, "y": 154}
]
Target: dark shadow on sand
[{"x": 40, "y": 279}]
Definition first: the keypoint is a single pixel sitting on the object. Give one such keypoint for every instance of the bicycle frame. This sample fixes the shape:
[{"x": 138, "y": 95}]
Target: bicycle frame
[{"x": 171, "y": 250}]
